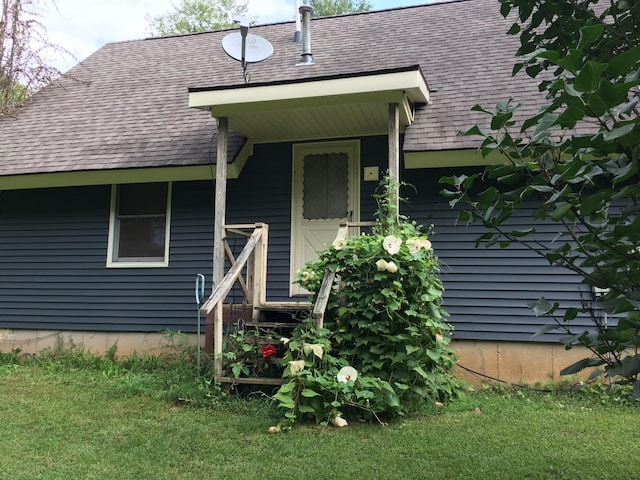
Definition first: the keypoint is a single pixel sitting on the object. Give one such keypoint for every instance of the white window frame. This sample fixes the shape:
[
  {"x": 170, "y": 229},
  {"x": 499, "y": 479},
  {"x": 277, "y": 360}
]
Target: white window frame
[{"x": 114, "y": 232}]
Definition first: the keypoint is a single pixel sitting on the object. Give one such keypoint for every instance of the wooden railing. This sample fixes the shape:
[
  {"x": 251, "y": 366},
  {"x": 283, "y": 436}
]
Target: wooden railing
[
  {"x": 253, "y": 285},
  {"x": 320, "y": 306}
]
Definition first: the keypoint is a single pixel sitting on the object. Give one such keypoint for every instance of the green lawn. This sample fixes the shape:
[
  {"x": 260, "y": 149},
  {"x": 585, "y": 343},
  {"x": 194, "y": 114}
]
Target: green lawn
[{"x": 81, "y": 424}]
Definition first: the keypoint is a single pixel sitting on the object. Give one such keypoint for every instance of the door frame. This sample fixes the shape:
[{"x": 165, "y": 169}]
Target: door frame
[{"x": 300, "y": 150}]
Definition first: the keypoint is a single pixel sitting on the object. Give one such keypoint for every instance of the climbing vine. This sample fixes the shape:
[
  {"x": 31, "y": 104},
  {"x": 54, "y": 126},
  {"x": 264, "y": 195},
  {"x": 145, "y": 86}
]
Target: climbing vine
[{"x": 385, "y": 326}]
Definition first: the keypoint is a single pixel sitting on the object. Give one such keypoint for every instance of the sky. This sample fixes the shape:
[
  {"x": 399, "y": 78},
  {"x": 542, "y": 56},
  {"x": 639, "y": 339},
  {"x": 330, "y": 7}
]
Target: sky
[{"x": 82, "y": 27}]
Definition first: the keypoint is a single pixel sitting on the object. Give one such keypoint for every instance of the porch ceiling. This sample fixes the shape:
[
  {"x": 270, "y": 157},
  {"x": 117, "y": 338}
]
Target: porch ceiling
[{"x": 316, "y": 108}]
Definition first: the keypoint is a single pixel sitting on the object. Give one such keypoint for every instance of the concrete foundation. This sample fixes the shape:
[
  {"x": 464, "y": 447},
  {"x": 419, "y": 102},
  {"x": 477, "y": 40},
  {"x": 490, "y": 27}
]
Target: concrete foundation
[{"x": 518, "y": 362}]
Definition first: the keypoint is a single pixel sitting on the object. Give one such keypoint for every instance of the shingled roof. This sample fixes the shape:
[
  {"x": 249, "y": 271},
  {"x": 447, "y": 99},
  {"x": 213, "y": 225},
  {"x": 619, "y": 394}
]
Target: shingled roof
[{"x": 126, "y": 105}]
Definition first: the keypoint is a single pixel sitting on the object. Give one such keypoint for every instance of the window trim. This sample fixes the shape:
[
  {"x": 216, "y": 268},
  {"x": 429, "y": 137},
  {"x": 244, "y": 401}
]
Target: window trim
[{"x": 111, "y": 262}]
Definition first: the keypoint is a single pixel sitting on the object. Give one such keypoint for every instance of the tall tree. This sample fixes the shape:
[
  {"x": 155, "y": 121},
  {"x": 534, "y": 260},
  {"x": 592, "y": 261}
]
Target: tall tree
[
  {"x": 578, "y": 159},
  {"x": 191, "y": 16},
  {"x": 326, "y": 8},
  {"x": 23, "y": 45}
]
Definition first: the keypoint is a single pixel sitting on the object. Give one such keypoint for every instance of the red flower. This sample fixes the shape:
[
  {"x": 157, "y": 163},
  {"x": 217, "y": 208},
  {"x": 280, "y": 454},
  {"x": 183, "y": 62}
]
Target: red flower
[{"x": 268, "y": 350}]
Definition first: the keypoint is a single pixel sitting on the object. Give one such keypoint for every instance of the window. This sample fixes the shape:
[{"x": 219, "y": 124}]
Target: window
[
  {"x": 139, "y": 225},
  {"x": 325, "y": 186}
]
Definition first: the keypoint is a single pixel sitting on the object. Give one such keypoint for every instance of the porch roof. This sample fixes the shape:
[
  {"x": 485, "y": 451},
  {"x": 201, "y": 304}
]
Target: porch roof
[{"x": 323, "y": 107}]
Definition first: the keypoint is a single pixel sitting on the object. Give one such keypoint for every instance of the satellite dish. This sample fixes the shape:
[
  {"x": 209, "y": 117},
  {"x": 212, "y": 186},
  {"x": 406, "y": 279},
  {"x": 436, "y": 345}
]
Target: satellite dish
[{"x": 257, "y": 48}]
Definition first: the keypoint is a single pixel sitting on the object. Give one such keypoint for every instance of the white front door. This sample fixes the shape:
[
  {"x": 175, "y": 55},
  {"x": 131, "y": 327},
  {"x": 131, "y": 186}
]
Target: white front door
[{"x": 325, "y": 193}]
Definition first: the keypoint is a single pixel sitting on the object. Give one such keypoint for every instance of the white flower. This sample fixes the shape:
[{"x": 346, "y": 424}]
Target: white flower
[
  {"x": 284, "y": 340},
  {"x": 339, "y": 243},
  {"x": 305, "y": 276},
  {"x": 347, "y": 374},
  {"x": 339, "y": 421},
  {"x": 295, "y": 366},
  {"x": 414, "y": 246},
  {"x": 392, "y": 244},
  {"x": 381, "y": 265},
  {"x": 316, "y": 348},
  {"x": 392, "y": 267}
]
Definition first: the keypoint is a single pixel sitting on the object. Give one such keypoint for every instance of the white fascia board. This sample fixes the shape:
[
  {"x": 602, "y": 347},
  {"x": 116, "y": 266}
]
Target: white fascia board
[
  {"x": 222, "y": 102},
  {"x": 125, "y": 175}
]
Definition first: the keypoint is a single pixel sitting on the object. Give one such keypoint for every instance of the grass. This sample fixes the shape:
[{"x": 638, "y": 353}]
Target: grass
[{"x": 73, "y": 421}]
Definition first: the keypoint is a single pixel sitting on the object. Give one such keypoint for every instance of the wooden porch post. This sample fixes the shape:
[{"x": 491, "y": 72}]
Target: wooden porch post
[
  {"x": 220, "y": 206},
  {"x": 220, "y": 203},
  {"x": 394, "y": 151}
]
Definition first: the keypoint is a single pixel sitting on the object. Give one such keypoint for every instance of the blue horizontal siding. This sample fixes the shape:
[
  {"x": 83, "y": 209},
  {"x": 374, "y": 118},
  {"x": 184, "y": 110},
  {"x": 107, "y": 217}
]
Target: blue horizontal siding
[
  {"x": 53, "y": 247},
  {"x": 53, "y": 275},
  {"x": 487, "y": 290}
]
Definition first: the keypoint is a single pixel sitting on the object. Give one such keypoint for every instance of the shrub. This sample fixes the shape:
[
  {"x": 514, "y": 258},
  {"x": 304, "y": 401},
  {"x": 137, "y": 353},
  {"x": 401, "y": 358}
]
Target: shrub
[{"x": 385, "y": 321}]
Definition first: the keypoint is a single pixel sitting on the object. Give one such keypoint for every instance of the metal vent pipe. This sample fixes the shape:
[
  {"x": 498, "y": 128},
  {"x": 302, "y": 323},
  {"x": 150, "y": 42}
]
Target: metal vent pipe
[{"x": 305, "y": 12}]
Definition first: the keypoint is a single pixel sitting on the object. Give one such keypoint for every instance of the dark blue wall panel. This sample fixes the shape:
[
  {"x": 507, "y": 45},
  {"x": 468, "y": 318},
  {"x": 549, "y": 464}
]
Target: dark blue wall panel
[
  {"x": 53, "y": 247},
  {"x": 488, "y": 289}
]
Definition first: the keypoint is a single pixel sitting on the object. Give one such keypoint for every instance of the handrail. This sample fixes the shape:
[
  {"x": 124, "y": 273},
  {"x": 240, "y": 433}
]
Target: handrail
[
  {"x": 320, "y": 307},
  {"x": 253, "y": 257},
  {"x": 322, "y": 299},
  {"x": 223, "y": 289}
]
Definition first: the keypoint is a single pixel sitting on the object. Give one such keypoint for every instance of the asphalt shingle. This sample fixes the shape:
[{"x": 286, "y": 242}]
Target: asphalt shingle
[{"x": 125, "y": 106}]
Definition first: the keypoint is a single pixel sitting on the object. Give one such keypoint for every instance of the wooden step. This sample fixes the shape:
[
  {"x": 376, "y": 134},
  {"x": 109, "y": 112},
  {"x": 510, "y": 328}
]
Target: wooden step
[
  {"x": 251, "y": 381},
  {"x": 285, "y": 306},
  {"x": 271, "y": 324}
]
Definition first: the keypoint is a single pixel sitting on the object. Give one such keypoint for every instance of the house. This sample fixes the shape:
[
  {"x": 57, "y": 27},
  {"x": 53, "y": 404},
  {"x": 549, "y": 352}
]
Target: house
[{"x": 108, "y": 177}]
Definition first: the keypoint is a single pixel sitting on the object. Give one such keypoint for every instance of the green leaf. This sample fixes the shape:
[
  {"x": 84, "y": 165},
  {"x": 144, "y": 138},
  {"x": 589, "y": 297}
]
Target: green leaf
[
  {"x": 581, "y": 365},
  {"x": 418, "y": 369},
  {"x": 433, "y": 354},
  {"x": 501, "y": 120},
  {"x": 545, "y": 329},
  {"x": 619, "y": 132},
  {"x": 588, "y": 79},
  {"x": 367, "y": 394},
  {"x": 544, "y": 123},
  {"x": 308, "y": 393},
  {"x": 411, "y": 349},
  {"x": 630, "y": 366},
  {"x": 570, "y": 117},
  {"x": 543, "y": 307},
  {"x": 560, "y": 211},
  {"x": 624, "y": 62},
  {"x": 572, "y": 61},
  {"x": 590, "y": 34}
]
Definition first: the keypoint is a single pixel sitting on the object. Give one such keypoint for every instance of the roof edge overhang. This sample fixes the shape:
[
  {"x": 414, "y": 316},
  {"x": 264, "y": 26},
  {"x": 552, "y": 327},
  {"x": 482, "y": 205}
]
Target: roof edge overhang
[
  {"x": 449, "y": 158},
  {"x": 409, "y": 80},
  {"x": 124, "y": 175},
  {"x": 319, "y": 107}
]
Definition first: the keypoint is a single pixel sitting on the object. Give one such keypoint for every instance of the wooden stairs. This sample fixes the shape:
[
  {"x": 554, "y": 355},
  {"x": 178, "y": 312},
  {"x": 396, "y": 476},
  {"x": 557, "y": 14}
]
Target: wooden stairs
[
  {"x": 277, "y": 318},
  {"x": 248, "y": 271}
]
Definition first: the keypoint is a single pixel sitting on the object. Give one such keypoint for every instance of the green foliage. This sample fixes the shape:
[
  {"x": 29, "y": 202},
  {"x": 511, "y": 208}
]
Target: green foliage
[
  {"x": 191, "y": 16},
  {"x": 171, "y": 375},
  {"x": 71, "y": 426},
  {"x": 252, "y": 353},
  {"x": 326, "y": 8},
  {"x": 578, "y": 159},
  {"x": 24, "y": 53},
  {"x": 315, "y": 389},
  {"x": 385, "y": 319}
]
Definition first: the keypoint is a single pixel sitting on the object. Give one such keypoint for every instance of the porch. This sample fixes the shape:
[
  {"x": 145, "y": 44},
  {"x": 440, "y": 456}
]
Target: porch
[{"x": 248, "y": 274}]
